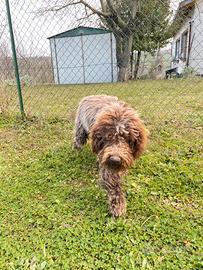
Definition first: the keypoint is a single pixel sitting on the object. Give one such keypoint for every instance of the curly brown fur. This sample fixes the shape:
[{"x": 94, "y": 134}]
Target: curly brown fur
[
  {"x": 118, "y": 137},
  {"x": 111, "y": 182}
]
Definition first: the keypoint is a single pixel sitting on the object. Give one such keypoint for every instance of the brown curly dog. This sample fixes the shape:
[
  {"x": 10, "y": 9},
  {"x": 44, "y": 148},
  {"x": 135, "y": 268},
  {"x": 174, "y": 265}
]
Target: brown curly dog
[{"x": 118, "y": 137}]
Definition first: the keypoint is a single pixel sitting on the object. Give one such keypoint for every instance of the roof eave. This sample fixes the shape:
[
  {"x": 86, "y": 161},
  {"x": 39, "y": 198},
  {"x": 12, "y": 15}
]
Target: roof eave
[
  {"x": 183, "y": 12},
  {"x": 60, "y": 34},
  {"x": 186, "y": 3}
]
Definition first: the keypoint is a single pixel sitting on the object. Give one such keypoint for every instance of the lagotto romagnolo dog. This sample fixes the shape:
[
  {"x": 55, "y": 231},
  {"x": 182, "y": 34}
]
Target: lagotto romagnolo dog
[{"x": 118, "y": 137}]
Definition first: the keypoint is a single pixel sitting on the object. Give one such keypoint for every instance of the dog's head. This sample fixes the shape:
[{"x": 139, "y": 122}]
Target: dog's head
[{"x": 118, "y": 138}]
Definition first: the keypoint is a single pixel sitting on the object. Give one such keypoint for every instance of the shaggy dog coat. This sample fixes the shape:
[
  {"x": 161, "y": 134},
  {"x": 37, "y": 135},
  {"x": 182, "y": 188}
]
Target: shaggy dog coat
[{"x": 118, "y": 137}]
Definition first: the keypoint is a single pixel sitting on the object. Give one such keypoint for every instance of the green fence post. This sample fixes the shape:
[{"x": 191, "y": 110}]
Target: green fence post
[{"x": 15, "y": 61}]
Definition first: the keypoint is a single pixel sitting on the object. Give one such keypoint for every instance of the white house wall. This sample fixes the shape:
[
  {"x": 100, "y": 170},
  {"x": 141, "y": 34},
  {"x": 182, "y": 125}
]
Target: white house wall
[
  {"x": 196, "y": 57},
  {"x": 196, "y": 53},
  {"x": 179, "y": 34}
]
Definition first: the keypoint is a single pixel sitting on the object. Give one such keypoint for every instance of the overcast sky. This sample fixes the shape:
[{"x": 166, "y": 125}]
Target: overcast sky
[{"x": 32, "y": 30}]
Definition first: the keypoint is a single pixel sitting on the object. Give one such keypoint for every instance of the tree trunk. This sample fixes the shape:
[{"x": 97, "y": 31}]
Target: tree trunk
[
  {"x": 131, "y": 66},
  {"x": 137, "y": 64},
  {"x": 158, "y": 69},
  {"x": 123, "y": 75},
  {"x": 118, "y": 50},
  {"x": 142, "y": 67}
]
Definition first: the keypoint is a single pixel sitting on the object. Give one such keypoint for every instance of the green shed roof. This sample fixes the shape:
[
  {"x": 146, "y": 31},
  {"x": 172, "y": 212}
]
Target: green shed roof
[{"x": 81, "y": 30}]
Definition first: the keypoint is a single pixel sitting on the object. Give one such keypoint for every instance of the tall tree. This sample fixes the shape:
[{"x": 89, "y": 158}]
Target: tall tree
[{"x": 153, "y": 28}]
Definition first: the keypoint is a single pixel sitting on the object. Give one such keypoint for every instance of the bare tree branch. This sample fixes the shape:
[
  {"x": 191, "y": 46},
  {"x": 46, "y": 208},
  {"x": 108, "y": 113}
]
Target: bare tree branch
[
  {"x": 55, "y": 8},
  {"x": 103, "y": 5},
  {"x": 115, "y": 16},
  {"x": 82, "y": 19},
  {"x": 135, "y": 8},
  {"x": 74, "y": 3},
  {"x": 96, "y": 11}
]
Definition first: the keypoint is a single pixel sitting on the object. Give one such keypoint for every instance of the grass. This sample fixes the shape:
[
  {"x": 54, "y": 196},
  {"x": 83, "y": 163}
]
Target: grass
[{"x": 54, "y": 216}]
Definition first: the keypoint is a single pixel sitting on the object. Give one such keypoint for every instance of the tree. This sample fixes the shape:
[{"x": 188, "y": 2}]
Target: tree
[
  {"x": 153, "y": 28},
  {"x": 136, "y": 24}
]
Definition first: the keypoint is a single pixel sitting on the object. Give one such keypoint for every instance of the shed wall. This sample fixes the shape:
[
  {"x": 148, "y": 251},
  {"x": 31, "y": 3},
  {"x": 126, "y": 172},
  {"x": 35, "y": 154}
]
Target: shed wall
[
  {"x": 84, "y": 59},
  {"x": 54, "y": 61}
]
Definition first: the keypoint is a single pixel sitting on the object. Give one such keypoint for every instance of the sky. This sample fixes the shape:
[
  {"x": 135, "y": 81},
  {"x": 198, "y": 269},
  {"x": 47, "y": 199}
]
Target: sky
[{"x": 32, "y": 29}]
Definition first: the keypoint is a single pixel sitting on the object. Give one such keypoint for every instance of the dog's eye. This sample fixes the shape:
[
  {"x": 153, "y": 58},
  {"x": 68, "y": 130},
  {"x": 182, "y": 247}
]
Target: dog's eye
[
  {"x": 100, "y": 143},
  {"x": 110, "y": 136},
  {"x": 132, "y": 144}
]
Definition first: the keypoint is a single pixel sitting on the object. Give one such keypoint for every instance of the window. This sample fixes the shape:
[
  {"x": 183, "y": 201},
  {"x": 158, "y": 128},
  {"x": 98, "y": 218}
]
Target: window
[
  {"x": 177, "y": 49},
  {"x": 184, "y": 45}
]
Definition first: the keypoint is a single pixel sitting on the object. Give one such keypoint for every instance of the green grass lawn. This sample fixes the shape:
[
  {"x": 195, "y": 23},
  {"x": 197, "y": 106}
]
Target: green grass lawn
[{"x": 54, "y": 216}]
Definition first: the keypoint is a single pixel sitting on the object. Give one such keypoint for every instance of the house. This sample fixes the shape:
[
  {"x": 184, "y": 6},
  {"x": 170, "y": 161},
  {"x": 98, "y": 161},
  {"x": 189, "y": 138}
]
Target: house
[
  {"x": 84, "y": 55},
  {"x": 187, "y": 44}
]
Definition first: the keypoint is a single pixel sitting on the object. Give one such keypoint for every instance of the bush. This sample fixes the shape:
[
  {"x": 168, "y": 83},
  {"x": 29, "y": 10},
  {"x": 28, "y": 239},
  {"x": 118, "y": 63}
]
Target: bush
[{"x": 188, "y": 72}]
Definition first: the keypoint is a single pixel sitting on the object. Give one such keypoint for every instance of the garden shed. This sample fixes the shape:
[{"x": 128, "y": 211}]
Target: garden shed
[{"x": 84, "y": 55}]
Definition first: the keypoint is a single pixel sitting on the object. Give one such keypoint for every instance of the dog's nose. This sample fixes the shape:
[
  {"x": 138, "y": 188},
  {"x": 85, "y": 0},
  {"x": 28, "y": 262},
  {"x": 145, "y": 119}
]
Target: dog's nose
[{"x": 114, "y": 161}]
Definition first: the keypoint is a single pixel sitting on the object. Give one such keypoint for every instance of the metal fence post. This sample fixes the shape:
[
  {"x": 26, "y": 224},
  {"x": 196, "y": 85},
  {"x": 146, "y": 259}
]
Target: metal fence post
[{"x": 15, "y": 62}]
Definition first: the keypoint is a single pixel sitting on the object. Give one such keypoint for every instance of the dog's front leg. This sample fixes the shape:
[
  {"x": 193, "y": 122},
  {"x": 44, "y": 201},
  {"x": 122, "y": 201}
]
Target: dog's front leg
[
  {"x": 112, "y": 184},
  {"x": 80, "y": 137}
]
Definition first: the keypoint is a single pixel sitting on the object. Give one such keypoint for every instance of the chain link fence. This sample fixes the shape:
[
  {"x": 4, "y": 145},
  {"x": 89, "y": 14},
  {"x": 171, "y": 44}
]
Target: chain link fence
[{"x": 148, "y": 53}]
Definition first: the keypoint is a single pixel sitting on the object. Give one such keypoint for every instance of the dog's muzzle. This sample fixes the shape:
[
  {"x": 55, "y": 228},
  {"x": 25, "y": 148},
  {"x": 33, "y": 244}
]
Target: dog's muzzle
[{"x": 114, "y": 162}]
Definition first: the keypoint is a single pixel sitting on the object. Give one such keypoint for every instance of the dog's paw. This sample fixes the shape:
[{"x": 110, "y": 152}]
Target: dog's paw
[
  {"x": 77, "y": 146},
  {"x": 117, "y": 206}
]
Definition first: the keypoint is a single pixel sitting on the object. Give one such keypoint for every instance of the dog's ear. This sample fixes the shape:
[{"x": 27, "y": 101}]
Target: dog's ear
[
  {"x": 97, "y": 138},
  {"x": 138, "y": 138}
]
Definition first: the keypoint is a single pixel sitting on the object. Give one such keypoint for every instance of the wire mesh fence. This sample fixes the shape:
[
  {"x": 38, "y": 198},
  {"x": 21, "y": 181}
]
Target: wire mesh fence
[{"x": 148, "y": 53}]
